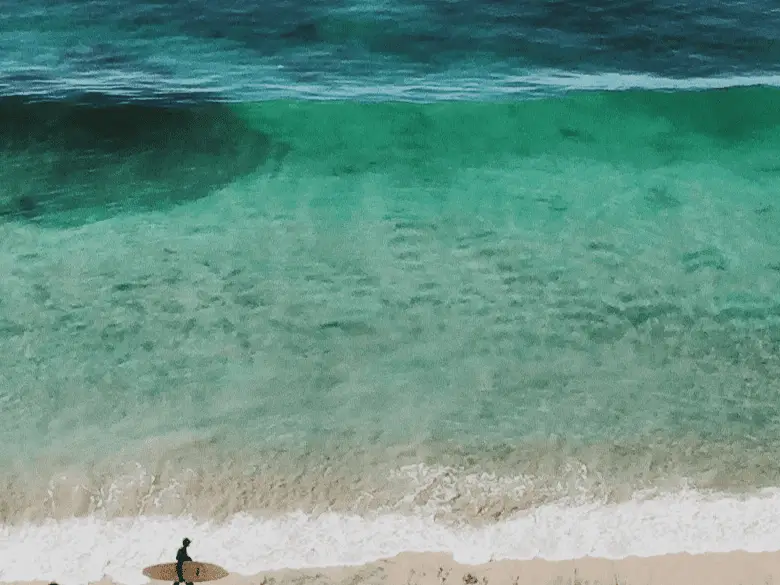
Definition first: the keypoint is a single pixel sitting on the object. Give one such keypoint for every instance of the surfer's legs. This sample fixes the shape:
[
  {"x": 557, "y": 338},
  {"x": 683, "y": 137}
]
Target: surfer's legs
[{"x": 180, "y": 575}]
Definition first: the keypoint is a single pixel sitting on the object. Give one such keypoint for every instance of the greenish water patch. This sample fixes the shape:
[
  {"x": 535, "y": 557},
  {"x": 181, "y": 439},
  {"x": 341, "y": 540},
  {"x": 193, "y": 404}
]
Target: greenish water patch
[
  {"x": 85, "y": 163},
  {"x": 639, "y": 128}
]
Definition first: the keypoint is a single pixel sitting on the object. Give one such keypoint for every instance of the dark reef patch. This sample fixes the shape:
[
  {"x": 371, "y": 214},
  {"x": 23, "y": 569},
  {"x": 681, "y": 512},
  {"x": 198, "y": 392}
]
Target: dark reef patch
[{"x": 60, "y": 158}]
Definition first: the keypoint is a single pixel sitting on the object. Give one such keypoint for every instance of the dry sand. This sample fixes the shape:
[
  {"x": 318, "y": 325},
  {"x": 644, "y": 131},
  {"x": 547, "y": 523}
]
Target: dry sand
[{"x": 736, "y": 568}]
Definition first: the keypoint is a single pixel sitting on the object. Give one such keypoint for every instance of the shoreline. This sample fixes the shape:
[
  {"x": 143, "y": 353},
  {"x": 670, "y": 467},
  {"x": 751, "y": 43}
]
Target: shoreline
[
  {"x": 687, "y": 526},
  {"x": 732, "y": 568}
]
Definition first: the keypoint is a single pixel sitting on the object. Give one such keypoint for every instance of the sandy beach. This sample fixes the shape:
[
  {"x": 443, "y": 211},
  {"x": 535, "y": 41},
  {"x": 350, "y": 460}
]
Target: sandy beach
[{"x": 734, "y": 568}]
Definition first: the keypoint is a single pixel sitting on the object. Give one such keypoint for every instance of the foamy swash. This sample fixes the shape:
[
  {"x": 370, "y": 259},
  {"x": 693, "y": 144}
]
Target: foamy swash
[
  {"x": 87, "y": 549},
  {"x": 463, "y": 486}
]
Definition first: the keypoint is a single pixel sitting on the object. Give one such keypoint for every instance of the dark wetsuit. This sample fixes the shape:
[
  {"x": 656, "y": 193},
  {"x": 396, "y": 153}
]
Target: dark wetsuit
[{"x": 181, "y": 556}]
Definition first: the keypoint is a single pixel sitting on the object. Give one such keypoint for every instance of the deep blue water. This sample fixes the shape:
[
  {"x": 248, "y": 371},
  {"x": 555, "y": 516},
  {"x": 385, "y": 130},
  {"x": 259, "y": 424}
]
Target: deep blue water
[{"x": 244, "y": 50}]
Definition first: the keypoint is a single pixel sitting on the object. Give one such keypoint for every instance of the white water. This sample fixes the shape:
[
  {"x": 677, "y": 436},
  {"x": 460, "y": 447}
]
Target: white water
[{"x": 87, "y": 549}]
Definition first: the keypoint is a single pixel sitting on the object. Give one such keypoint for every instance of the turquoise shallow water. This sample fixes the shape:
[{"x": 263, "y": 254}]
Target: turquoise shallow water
[{"x": 286, "y": 305}]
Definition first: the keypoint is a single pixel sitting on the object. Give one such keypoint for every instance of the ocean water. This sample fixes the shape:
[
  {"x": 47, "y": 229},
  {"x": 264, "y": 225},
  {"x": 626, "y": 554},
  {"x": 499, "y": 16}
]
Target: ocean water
[{"x": 317, "y": 283}]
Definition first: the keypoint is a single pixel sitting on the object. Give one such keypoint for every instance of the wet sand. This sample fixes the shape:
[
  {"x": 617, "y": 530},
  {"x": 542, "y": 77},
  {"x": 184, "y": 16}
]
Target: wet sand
[{"x": 734, "y": 568}]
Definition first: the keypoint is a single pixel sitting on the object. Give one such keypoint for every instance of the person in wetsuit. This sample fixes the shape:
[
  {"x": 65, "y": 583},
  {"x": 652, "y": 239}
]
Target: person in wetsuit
[{"x": 181, "y": 557}]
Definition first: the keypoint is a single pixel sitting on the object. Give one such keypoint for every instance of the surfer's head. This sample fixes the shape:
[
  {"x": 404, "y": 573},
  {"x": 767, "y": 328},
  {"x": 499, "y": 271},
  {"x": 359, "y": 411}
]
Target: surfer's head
[{"x": 186, "y": 542}]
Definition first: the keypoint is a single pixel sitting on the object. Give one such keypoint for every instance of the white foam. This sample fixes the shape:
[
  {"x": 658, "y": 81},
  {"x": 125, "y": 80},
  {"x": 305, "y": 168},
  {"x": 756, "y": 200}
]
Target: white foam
[
  {"x": 87, "y": 549},
  {"x": 474, "y": 85},
  {"x": 555, "y": 78}
]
